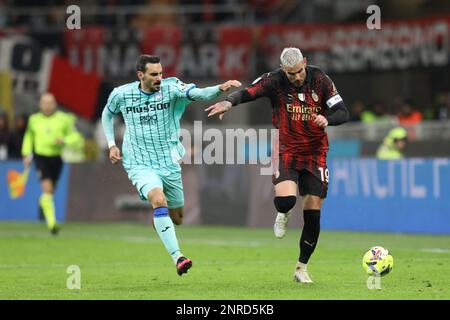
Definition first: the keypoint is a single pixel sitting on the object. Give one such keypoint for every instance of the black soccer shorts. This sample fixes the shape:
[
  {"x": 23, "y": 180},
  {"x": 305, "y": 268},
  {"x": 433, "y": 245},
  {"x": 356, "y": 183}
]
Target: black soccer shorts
[
  {"x": 48, "y": 167},
  {"x": 307, "y": 182}
]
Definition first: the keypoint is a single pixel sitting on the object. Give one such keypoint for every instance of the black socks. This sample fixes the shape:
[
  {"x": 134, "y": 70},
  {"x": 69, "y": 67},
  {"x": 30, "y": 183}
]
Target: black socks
[{"x": 310, "y": 234}]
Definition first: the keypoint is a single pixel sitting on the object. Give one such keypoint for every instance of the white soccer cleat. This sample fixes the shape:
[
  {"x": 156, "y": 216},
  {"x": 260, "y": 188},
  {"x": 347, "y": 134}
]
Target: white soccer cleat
[
  {"x": 301, "y": 274},
  {"x": 281, "y": 224}
]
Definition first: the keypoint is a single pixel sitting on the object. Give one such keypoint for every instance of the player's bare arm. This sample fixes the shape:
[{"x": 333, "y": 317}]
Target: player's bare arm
[
  {"x": 219, "y": 108},
  {"x": 114, "y": 155},
  {"x": 321, "y": 121},
  {"x": 255, "y": 91},
  {"x": 222, "y": 107},
  {"x": 229, "y": 84}
]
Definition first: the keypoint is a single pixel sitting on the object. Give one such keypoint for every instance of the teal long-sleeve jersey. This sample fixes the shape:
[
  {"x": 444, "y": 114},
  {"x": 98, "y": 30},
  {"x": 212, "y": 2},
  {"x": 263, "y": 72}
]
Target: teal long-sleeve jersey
[{"x": 152, "y": 120}]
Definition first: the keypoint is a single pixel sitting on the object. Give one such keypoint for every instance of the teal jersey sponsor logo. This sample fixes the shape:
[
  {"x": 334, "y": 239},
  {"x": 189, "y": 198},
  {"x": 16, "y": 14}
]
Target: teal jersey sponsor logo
[{"x": 152, "y": 122}]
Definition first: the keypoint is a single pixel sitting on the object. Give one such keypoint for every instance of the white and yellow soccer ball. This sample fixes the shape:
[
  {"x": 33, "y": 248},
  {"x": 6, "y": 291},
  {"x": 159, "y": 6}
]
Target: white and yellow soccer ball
[{"x": 378, "y": 261}]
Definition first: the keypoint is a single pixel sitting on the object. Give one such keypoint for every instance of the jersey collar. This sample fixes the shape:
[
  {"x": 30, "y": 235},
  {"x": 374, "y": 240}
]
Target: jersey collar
[{"x": 142, "y": 91}]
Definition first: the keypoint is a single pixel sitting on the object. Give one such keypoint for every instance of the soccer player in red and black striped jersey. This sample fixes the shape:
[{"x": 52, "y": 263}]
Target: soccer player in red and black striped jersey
[{"x": 304, "y": 102}]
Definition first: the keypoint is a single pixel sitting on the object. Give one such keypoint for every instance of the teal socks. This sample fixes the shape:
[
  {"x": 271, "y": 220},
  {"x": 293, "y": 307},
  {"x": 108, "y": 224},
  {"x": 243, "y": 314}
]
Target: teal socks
[{"x": 166, "y": 231}]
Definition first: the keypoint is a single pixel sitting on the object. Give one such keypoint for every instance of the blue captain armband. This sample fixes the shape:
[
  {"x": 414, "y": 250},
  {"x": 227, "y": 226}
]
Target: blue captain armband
[{"x": 189, "y": 90}]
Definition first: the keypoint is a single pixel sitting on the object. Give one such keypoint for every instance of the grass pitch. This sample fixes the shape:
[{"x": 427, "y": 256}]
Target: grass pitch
[{"x": 128, "y": 261}]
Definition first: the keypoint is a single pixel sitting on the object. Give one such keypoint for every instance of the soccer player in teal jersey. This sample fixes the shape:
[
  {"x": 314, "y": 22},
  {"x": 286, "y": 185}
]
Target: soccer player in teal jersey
[{"x": 152, "y": 108}]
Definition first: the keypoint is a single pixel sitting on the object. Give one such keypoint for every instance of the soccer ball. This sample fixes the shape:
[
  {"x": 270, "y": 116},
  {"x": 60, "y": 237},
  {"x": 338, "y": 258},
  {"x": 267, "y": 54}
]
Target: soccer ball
[{"x": 378, "y": 261}]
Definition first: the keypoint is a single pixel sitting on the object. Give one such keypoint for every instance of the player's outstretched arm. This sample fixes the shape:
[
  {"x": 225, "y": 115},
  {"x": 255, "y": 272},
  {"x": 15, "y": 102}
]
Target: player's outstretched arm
[
  {"x": 210, "y": 93},
  {"x": 256, "y": 90},
  {"x": 219, "y": 108},
  {"x": 229, "y": 84}
]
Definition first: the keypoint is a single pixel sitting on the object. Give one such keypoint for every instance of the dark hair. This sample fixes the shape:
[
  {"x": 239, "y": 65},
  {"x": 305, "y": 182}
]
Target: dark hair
[{"x": 144, "y": 59}]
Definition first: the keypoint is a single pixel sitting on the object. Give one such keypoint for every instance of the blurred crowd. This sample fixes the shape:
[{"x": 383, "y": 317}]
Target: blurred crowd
[
  {"x": 402, "y": 111},
  {"x": 217, "y": 11},
  {"x": 11, "y": 138},
  {"x": 173, "y": 11}
]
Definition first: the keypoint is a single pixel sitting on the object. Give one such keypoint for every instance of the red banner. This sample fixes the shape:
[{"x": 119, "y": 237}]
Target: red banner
[
  {"x": 84, "y": 48},
  {"x": 235, "y": 49},
  {"x": 73, "y": 88},
  {"x": 164, "y": 42},
  {"x": 353, "y": 47}
]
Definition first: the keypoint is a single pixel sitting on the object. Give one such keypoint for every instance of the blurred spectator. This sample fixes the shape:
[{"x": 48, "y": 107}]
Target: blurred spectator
[
  {"x": 429, "y": 113},
  {"x": 157, "y": 18},
  {"x": 208, "y": 12},
  {"x": 443, "y": 107},
  {"x": 16, "y": 139},
  {"x": 376, "y": 114},
  {"x": 356, "y": 111},
  {"x": 368, "y": 116},
  {"x": 73, "y": 152},
  {"x": 3, "y": 16},
  {"x": 264, "y": 9},
  {"x": 408, "y": 116},
  {"x": 393, "y": 145},
  {"x": 4, "y": 136}
]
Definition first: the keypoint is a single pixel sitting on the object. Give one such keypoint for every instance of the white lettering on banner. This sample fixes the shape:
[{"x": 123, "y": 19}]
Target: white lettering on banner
[
  {"x": 129, "y": 60},
  {"x": 344, "y": 48},
  {"x": 205, "y": 63},
  {"x": 415, "y": 190},
  {"x": 234, "y": 59},
  {"x": 340, "y": 49},
  {"x": 116, "y": 60},
  {"x": 385, "y": 55},
  {"x": 166, "y": 53},
  {"x": 88, "y": 58},
  {"x": 404, "y": 177},
  {"x": 341, "y": 172},
  {"x": 29, "y": 65},
  {"x": 379, "y": 190},
  {"x": 437, "y": 164},
  {"x": 367, "y": 178},
  {"x": 391, "y": 178},
  {"x": 186, "y": 62},
  {"x": 209, "y": 59},
  {"x": 402, "y": 56},
  {"x": 110, "y": 62}
]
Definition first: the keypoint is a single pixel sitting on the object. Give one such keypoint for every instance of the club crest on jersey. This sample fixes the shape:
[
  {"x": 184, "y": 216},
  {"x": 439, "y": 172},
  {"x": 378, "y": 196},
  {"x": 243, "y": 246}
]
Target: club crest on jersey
[
  {"x": 334, "y": 90},
  {"x": 301, "y": 96},
  {"x": 158, "y": 96},
  {"x": 314, "y": 96}
]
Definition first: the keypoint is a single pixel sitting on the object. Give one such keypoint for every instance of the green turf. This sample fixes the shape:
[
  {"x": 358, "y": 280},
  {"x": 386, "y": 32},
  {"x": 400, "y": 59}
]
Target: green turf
[{"x": 127, "y": 261}]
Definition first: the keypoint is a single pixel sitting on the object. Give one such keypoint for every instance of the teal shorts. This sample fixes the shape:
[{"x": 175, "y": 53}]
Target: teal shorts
[{"x": 167, "y": 178}]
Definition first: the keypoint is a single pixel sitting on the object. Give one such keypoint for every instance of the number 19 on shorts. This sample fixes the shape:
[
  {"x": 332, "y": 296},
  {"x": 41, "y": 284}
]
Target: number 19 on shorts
[{"x": 324, "y": 174}]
